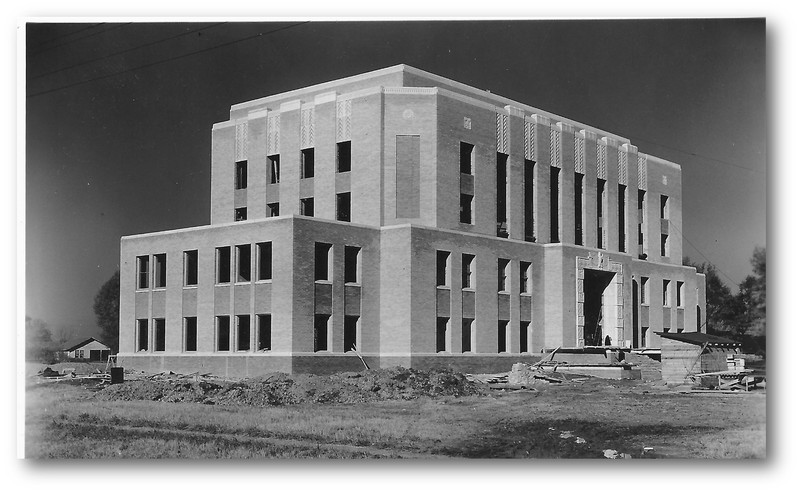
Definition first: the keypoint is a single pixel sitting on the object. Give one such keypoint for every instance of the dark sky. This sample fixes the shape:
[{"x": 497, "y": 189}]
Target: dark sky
[{"x": 118, "y": 118}]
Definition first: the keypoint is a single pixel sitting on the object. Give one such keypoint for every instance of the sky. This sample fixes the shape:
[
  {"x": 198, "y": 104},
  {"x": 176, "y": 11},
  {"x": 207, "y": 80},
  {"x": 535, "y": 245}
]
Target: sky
[{"x": 118, "y": 118}]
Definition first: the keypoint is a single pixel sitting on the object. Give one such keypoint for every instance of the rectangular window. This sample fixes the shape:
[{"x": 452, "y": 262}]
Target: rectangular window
[
  {"x": 525, "y": 278},
  {"x": 321, "y": 332},
  {"x": 523, "y": 337},
  {"x": 307, "y": 163},
  {"x": 243, "y": 262},
  {"x": 644, "y": 336},
  {"x": 343, "y": 206},
  {"x": 555, "y": 204},
  {"x": 502, "y": 274},
  {"x": 141, "y": 334},
  {"x": 666, "y": 329},
  {"x": 642, "y": 215},
  {"x": 160, "y": 274},
  {"x": 307, "y": 207},
  {"x": 274, "y": 168},
  {"x": 442, "y": 268},
  {"x": 666, "y": 293},
  {"x": 664, "y": 207},
  {"x": 645, "y": 294},
  {"x": 466, "y": 159},
  {"x": 664, "y": 245},
  {"x": 160, "y": 334},
  {"x": 679, "y": 293},
  {"x": 322, "y": 261},
  {"x": 143, "y": 272},
  {"x": 264, "y": 332},
  {"x": 243, "y": 332},
  {"x": 466, "y": 334},
  {"x": 467, "y": 271},
  {"x": 350, "y": 333},
  {"x": 601, "y": 201},
  {"x": 622, "y": 217},
  {"x": 442, "y": 334},
  {"x": 343, "y": 157},
  {"x": 240, "y": 214},
  {"x": 241, "y": 175},
  {"x": 578, "y": 208},
  {"x": 273, "y": 209},
  {"x": 190, "y": 268},
  {"x": 502, "y": 336},
  {"x": 465, "y": 215},
  {"x": 223, "y": 333},
  {"x": 352, "y": 264},
  {"x": 264, "y": 252},
  {"x": 190, "y": 334},
  {"x": 502, "y": 195},
  {"x": 529, "y": 191},
  {"x": 223, "y": 265}
]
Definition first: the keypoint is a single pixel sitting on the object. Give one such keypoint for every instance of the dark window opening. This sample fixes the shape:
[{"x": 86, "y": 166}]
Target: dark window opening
[
  {"x": 578, "y": 208},
  {"x": 502, "y": 195},
  {"x": 243, "y": 332},
  {"x": 243, "y": 263},
  {"x": 307, "y": 207},
  {"x": 143, "y": 271},
  {"x": 524, "y": 277},
  {"x": 350, "y": 333},
  {"x": 467, "y": 270},
  {"x": 664, "y": 209},
  {"x": 664, "y": 245},
  {"x": 666, "y": 294},
  {"x": 343, "y": 157},
  {"x": 442, "y": 326},
  {"x": 273, "y": 209},
  {"x": 523, "y": 337},
  {"x": 160, "y": 336},
  {"x": 529, "y": 191},
  {"x": 679, "y": 294},
  {"x": 640, "y": 220},
  {"x": 442, "y": 268},
  {"x": 322, "y": 261},
  {"x": 223, "y": 265},
  {"x": 190, "y": 328},
  {"x": 502, "y": 274},
  {"x": 343, "y": 206},
  {"x": 622, "y": 218},
  {"x": 555, "y": 204},
  {"x": 190, "y": 268},
  {"x": 223, "y": 333},
  {"x": 466, "y": 156},
  {"x": 240, "y": 214},
  {"x": 307, "y": 163},
  {"x": 160, "y": 270},
  {"x": 141, "y": 336},
  {"x": 645, "y": 295},
  {"x": 465, "y": 216},
  {"x": 352, "y": 264},
  {"x": 321, "y": 332},
  {"x": 466, "y": 335},
  {"x": 264, "y": 332},
  {"x": 274, "y": 168},
  {"x": 502, "y": 336},
  {"x": 241, "y": 175},
  {"x": 644, "y": 336},
  {"x": 264, "y": 251},
  {"x": 601, "y": 200}
]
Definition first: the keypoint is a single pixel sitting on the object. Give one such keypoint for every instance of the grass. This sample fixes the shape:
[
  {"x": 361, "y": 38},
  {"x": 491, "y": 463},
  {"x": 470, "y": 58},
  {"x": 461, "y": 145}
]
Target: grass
[{"x": 64, "y": 421}]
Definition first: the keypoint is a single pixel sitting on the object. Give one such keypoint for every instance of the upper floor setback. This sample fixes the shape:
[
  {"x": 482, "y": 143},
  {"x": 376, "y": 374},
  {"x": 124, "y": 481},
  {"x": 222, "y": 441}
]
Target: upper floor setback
[{"x": 361, "y": 151}]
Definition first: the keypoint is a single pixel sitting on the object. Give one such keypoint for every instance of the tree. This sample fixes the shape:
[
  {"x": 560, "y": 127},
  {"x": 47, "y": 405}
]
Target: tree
[
  {"x": 38, "y": 341},
  {"x": 723, "y": 310},
  {"x": 753, "y": 294},
  {"x": 106, "y": 309}
]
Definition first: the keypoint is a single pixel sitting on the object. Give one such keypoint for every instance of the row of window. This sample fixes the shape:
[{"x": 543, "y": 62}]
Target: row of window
[
  {"x": 343, "y": 163},
  {"x": 503, "y": 192},
  {"x": 666, "y": 292},
  {"x": 468, "y": 273},
  {"x": 323, "y": 263},
  {"x": 468, "y": 336},
  {"x": 223, "y": 342},
  {"x": 343, "y": 208}
]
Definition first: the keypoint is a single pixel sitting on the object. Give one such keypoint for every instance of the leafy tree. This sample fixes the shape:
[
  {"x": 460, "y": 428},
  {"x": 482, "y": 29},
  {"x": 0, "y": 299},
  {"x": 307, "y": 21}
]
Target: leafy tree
[
  {"x": 38, "y": 341},
  {"x": 753, "y": 294},
  {"x": 106, "y": 309},
  {"x": 723, "y": 310}
]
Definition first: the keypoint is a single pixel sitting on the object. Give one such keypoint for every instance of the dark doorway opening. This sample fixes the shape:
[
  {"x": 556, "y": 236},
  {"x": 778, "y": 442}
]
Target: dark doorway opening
[{"x": 597, "y": 293}]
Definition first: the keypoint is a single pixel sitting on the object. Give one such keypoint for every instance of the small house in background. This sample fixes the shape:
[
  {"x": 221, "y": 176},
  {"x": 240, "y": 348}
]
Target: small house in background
[
  {"x": 691, "y": 353},
  {"x": 87, "y": 348}
]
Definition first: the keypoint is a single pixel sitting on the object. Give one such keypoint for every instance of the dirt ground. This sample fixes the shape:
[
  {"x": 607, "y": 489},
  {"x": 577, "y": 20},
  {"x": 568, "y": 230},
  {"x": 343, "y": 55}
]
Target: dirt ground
[{"x": 390, "y": 413}]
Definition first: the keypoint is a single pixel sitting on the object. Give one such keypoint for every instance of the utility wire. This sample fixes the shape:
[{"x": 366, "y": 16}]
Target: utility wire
[
  {"x": 50, "y": 40},
  {"x": 171, "y": 59},
  {"x": 113, "y": 28},
  {"x": 700, "y": 155},
  {"x": 125, "y": 51},
  {"x": 702, "y": 254}
]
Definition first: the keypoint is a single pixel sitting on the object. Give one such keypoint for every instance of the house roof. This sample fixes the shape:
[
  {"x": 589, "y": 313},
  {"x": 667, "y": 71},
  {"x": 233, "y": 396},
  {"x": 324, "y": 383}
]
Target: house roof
[
  {"x": 78, "y": 342},
  {"x": 699, "y": 338}
]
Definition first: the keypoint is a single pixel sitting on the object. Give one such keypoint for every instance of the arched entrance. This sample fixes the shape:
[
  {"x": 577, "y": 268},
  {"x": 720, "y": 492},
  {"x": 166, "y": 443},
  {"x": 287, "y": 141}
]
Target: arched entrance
[{"x": 599, "y": 301}]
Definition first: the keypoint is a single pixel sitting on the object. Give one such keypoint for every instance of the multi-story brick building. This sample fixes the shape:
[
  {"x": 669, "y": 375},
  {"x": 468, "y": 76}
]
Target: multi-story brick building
[{"x": 420, "y": 220}]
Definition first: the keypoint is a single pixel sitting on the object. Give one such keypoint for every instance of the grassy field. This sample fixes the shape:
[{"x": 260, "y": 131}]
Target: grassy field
[{"x": 575, "y": 420}]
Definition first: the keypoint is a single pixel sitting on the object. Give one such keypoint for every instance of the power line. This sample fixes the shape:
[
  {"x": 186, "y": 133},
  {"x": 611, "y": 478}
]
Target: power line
[
  {"x": 700, "y": 155},
  {"x": 702, "y": 254},
  {"x": 147, "y": 65},
  {"x": 117, "y": 26},
  {"x": 50, "y": 40},
  {"x": 124, "y": 51}
]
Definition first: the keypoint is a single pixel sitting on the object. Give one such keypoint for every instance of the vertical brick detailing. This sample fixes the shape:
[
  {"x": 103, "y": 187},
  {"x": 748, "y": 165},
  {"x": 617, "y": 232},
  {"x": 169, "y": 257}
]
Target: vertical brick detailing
[
  {"x": 580, "y": 158},
  {"x": 241, "y": 141},
  {"x": 307, "y": 127},
  {"x": 530, "y": 140},
  {"x": 642, "y": 172},
  {"x": 623, "y": 166},
  {"x": 502, "y": 133},
  {"x": 273, "y": 133},
  {"x": 555, "y": 147},
  {"x": 344, "y": 115},
  {"x": 601, "y": 161}
]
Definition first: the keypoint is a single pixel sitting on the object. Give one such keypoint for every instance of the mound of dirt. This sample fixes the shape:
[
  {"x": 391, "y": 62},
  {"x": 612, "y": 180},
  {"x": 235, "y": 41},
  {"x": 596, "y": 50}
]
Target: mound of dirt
[{"x": 281, "y": 388}]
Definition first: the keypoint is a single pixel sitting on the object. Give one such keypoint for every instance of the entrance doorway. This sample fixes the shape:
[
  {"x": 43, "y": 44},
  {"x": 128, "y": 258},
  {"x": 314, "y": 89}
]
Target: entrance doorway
[{"x": 599, "y": 308}]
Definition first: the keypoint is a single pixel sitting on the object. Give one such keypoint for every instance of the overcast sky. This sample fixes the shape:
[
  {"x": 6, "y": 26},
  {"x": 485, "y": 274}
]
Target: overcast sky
[{"x": 119, "y": 116}]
